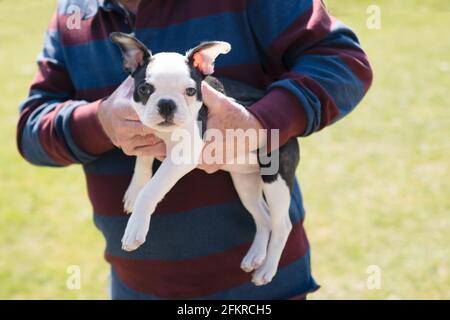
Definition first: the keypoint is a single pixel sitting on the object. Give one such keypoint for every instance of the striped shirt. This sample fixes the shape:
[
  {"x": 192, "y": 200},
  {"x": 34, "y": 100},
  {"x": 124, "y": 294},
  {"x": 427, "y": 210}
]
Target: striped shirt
[{"x": 312, "y": 69}]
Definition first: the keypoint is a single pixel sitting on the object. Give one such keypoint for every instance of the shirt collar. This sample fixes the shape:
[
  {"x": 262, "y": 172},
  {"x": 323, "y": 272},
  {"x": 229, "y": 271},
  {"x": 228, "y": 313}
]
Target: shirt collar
[{"x": 107, "y": 4}]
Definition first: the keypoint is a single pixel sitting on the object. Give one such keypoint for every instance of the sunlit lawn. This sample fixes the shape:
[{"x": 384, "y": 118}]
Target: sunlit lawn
[{"x": 376, "y": 184}]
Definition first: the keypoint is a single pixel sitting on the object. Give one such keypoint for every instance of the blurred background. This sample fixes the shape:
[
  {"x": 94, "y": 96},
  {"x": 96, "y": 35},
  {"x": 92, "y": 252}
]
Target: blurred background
[{"x": 376, "y": 185}]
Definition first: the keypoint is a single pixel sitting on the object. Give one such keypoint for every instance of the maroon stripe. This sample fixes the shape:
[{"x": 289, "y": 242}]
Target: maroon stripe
[
  {"x": 154, "y": 15},
  {"x": 354, "y": 58},
  {"x": 280, "y": 109},
  {"x": 195, "y": 190},
  {"x": 87, "y": 132},
  {"x": 151, "y": 15},
  {"x": 329, "y": 110},
  {"x": 308, "y": 29},
  {"x": 186, "y": 279},
  {"x": 106, "y": 192},
  {"x": 51, "y": 142},
  {"x": 51, "y": 77}
]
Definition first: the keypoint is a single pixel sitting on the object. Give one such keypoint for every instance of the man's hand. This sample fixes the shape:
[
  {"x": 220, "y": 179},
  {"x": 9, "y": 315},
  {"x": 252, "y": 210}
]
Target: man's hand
[
  {"x": 224, "y": 113},
  {"x": 121, "y": 124}
]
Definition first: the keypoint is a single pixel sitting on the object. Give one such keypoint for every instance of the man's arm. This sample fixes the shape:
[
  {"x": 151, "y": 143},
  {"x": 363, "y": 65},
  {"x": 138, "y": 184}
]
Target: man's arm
[
  {"x": 322, "y": 72},
  {"x": 53, "y": 129}
]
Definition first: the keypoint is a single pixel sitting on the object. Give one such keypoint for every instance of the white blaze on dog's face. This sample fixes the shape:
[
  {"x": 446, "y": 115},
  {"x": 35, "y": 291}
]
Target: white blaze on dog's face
[
  {"x": 165, "y": 95},
  {"x": 167, "y": 90}
]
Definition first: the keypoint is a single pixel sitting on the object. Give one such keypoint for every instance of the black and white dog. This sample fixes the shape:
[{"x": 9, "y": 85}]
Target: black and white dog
[{"x": 167, "y": 97}]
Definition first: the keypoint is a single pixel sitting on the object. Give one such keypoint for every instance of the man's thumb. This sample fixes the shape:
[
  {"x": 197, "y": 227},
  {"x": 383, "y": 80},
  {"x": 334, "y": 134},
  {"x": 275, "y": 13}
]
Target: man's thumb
[
  {"x": 211, "y": 97},
  {"x": 125, "y": 89}
]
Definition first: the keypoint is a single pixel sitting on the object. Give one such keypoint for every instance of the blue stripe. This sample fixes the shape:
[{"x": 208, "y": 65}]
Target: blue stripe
[
  {"x": 291, "y": 280},
  {"x": 270, "y": 18},
  {"x": 103, "y": 68},
  {"x": 52, "y": 50},
  {"x": 345, "y": 88},
  {"x": 87, "y": 8},
  {"x": 339, "y": 37},
  {"x": 342, "y": 36},
  {"x": 194, "y": 233},
  {"x": 231, "y": 27},
  {"x": 44, "y": 94},
  {"x": 30, "y": 144},
  {"x": 50, "y": 97},
  {"x": 114, "y": 162}
]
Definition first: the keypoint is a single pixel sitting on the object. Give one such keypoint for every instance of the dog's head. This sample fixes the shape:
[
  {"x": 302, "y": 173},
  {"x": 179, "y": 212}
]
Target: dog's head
[{"x": 167, "y": 91}]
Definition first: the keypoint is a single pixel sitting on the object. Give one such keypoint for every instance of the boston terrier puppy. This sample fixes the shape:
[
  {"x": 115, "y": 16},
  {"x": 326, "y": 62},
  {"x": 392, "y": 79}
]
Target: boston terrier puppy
[{"x": 167, "y": 97}]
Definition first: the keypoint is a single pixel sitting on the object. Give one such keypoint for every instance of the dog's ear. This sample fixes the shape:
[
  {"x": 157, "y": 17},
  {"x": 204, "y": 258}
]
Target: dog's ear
[
  {"x": 203, "y": 56},
  {"x": 134, "y": 52}
]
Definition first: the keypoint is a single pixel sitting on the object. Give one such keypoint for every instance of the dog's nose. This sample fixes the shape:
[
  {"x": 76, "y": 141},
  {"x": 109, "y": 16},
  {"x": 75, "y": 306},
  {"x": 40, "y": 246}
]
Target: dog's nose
[{"x": 166, "y": 107}]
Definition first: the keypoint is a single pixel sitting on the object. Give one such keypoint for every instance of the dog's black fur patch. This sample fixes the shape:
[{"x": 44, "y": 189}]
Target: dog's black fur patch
[
  {"x": 289, "y": 153},
  {"x": 198, "y": 77},
  {"x": 289, "y": 157},
  {"x": 139, "y": 78}
]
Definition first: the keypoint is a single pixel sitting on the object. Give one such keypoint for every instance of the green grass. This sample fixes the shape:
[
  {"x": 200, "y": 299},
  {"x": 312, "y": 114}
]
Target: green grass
[
  {"x": 45, "y": 217},
  {"x": 376, "y": 185}
]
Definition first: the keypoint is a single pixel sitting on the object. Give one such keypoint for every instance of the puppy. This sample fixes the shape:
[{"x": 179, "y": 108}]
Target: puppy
[{"x": 167, "y": 98}]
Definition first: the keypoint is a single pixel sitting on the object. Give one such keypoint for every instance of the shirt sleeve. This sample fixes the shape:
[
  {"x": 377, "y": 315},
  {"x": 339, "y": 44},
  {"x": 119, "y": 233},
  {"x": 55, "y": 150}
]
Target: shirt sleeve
[
  {"x": 320, "y": 69},
  {"x": 53, "y": 129}
]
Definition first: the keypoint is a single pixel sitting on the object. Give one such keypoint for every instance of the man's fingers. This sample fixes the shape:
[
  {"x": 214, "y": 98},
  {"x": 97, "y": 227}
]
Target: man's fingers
[
  {"x": 211, "y": 97},
  {"x": 125, "y": 88},
  {"x": 148, "y": 140},
  {"x": 157, "y": 150},
  {"x": 134, "y": 127}
]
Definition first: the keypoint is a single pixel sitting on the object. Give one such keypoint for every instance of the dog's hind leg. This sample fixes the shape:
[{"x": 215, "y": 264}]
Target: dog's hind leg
[
  {"x": 278, "y": 187},
  {"x": 278, "y": 196},
  {"x": 249, "y": 189}
]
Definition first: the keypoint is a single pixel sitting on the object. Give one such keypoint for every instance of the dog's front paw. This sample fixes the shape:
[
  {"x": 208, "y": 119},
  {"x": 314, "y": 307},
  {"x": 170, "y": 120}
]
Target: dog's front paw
[
  {"x": 264, "y": 274},
  {"x": 131, "y": 195},
  {"x": 136, "y": 231}
]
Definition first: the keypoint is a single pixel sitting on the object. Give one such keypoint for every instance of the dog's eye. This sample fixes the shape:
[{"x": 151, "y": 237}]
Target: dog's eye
[
  {"x": 145, "y": 89},
  {"x": 191, "y": 91}
]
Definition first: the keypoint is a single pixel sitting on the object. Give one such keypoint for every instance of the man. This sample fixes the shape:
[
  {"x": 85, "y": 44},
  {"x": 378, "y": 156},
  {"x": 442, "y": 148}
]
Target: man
[{"x": 314, "y": 73}]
